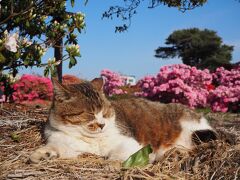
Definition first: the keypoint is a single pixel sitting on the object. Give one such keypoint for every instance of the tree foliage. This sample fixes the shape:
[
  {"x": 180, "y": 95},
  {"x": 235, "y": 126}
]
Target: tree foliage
[
  {"x": 28, "y": 28},
  {"x": 129, "y": 8},
  {"x": 200, "y": 48}
]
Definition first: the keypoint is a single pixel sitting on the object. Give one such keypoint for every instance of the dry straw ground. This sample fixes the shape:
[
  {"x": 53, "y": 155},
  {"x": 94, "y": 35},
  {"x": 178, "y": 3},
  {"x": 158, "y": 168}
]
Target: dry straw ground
[{"x": 20, "y": 129}]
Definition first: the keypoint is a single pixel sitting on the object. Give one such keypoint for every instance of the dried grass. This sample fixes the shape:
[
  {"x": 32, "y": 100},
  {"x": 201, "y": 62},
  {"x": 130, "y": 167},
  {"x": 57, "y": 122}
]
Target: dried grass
[{"x": 214, "y": 160}]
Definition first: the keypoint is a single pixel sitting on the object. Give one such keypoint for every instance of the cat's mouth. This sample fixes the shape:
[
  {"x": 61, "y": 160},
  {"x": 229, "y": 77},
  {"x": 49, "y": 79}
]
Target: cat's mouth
[{"x": 94, "y": 128}]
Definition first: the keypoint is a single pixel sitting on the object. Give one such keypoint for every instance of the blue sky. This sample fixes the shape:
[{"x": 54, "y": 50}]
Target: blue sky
[{"x": 132, "y": 52}]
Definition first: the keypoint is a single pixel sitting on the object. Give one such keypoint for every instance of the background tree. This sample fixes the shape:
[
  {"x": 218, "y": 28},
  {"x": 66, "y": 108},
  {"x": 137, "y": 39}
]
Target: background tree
[
  {"x": 200, "y": 48},
  {"x": 126, "y": 11},
  {"x": 29, "y": 27}
]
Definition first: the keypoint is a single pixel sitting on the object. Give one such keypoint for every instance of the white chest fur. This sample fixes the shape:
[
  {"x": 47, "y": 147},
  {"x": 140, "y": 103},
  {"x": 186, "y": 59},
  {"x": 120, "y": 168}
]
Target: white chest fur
[{"x": 72, "y": 140}]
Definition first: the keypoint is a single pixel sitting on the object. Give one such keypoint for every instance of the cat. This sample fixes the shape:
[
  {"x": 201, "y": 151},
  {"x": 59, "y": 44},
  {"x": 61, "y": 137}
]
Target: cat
[{"x": 83, "y": 120}]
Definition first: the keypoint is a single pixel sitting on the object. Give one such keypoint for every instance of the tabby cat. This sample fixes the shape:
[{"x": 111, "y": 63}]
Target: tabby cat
[{"x": 83, "y": 120}]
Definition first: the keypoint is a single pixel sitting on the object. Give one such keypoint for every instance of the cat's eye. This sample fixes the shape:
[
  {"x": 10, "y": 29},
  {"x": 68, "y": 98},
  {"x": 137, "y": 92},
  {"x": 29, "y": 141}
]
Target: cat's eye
[
  {"x": 91, "y": 126},
  {"x": 90, "y": 113},
  {"x": 74, "y": 114},
  {"x": 107, "y": 114}
]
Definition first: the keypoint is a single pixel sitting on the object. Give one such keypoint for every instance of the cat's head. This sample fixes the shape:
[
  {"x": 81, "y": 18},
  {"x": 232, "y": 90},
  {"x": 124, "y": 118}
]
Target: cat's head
[{"x": 83, "y": 105}]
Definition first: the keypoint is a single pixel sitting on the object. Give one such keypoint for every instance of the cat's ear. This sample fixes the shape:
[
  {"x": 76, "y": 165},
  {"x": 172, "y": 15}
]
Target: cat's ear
[
  {"x": 60, "y": 92},
  {"x": 97, "y": 84}
]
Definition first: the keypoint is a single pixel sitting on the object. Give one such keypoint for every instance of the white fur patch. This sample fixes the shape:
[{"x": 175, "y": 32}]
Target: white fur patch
[
  {"x": 99, "y": 118},
  {"x": 188, "y": 127},
  {"x": 73, "y": 140},
  {"x": 184, "y": 141}
]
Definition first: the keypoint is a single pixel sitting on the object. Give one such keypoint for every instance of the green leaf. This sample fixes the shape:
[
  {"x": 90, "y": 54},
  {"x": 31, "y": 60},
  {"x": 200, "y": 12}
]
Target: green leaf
[
  {"x": 26, "y": 62},
  {"x": 27, "y": 24},
  {"x": 2, "y": 58},
  {"x": 66, "y": 42},
  {"x": 79, "y": 29},
  {"x": 17, "y": 55},
  {"x": 17, "y": 20},
  {"x": 139, "y": 158},
  {"x": 72, "y": 3},
  {"x": 53, "y": 71},
  {"x": 46, "y": 71},
  {"x": 15, "y": 137},
  {"x": 72, "y": 62}
]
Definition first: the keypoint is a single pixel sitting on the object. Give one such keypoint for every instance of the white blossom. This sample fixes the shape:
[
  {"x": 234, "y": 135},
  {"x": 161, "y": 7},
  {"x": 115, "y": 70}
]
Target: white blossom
[
  {"x": 25, "y": 42},
  {"x": 11, "y": 42}
]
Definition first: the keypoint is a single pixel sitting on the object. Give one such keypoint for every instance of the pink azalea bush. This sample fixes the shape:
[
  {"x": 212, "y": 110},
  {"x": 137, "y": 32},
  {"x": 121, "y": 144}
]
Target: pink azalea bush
[
  {"x": 229, "y": 78},
  {"x": 31, "y": 87},
  {"x": 112, "y": 82},
  {"x": 195, "y": 88},
  {"x": 226, "y": 96},
  {"x": 178, "y": 84},
  {"x": 186, "y": 85}
]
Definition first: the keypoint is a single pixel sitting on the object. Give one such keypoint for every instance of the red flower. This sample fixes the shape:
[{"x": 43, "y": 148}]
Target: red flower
[{"x": 210, "y": 87}]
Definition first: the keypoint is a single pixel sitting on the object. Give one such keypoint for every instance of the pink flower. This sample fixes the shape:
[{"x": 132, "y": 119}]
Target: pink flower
[
  {"x": 210, "y": 87},
  {"x": 30, "y": 87},
  {"x": 178, "y": 83},
  {"x": 113, "y": 82},
  {"x": 2, "y": 98},
  {"x": 146, "y": 85}
]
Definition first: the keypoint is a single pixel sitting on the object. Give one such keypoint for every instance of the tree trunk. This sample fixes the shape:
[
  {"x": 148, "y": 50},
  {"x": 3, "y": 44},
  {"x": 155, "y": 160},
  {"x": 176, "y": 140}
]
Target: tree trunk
[{"x": 58, "y": 54}]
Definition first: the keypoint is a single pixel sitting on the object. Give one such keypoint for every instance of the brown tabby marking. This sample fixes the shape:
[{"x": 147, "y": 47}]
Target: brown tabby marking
[{"x": 150, "y": 122}]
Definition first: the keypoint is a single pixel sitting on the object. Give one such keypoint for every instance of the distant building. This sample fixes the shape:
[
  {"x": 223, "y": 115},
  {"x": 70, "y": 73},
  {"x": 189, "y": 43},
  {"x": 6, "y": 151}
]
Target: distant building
[{"x": 129, "y": 79}]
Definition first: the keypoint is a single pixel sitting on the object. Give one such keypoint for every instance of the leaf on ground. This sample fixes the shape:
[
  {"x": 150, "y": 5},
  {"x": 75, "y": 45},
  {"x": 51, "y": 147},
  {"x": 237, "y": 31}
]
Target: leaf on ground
[
  {"x": 15, "y": 137},
  {"x": 139, "y": 158}
]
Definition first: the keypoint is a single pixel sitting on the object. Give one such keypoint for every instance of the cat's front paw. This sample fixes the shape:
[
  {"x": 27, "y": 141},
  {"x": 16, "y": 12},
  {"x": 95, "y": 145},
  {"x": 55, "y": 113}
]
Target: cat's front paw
[{"x": 43, "y": 153}]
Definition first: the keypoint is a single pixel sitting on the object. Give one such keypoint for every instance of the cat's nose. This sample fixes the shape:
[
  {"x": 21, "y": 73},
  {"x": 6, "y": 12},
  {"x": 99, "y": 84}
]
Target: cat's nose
[{"x": 101, "y": 125}]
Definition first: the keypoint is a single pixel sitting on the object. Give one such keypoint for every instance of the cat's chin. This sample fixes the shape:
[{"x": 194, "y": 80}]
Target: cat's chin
[{"x": 92, "y": 134}]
